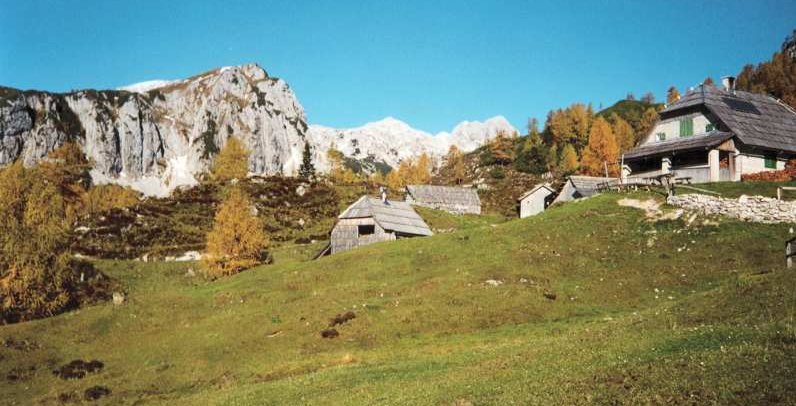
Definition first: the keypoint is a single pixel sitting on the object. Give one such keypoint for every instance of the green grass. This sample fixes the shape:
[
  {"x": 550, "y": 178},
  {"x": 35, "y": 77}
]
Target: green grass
[
  {"x": 749, "y": 188},
  {"x": 645, "y": 313}
]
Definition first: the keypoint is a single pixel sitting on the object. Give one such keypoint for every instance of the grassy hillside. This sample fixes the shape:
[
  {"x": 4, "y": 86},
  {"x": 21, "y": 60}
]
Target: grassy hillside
[
  {"x": 293, "y": 211},
  {"x": 588, "y": 303}
]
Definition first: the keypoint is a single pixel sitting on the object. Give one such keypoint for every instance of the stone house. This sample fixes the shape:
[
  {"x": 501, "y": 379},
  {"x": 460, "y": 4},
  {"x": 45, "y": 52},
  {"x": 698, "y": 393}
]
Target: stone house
[
  {"x": 536, "y": 200},
  {"x": 716, "y": 134},
  {"x": 370, "y": 220},
  {"x": 457, "y": 200}
]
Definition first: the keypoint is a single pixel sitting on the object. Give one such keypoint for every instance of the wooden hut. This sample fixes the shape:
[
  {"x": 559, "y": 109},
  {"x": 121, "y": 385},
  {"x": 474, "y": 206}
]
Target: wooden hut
[
  {"x": 536, "y": 200},
  {"x": 370, "y": 220},
  {"x": 577, "y": 187},
  {"x": 457, "y": 200}
]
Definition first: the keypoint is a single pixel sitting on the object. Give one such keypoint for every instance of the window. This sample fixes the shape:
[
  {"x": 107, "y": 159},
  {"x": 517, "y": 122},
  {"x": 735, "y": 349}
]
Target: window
[
  {"x": 660, "y": 136},
  {"x": 709, "y": 128},
  {"x": 770, "y": 161},
  {"x": 366, "y": 229},
  {"x": 687, "y": 127}
]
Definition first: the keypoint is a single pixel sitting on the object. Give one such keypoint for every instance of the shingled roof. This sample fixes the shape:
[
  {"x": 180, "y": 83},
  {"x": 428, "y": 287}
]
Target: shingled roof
[
  {"x": 451, "y": 198},
  {"x": 679, "y": 144},
  {"x": 757, "y": 120},
  {"x": 392, "y": 215}
]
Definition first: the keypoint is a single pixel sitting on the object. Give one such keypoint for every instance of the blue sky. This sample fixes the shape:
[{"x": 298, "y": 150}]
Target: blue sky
[{"x": 429, "y": 63}]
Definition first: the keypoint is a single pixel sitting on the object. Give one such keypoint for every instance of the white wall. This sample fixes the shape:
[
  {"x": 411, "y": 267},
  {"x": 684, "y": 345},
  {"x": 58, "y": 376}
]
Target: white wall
[
  {"x": 671, "y": 127},
  {"x": 534, "y": 204},
  {"x": 748, "y": 163}
]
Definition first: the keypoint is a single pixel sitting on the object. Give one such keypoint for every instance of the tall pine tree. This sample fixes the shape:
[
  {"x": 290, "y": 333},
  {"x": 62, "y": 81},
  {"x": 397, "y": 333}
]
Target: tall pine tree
[{"x": 307, "y": 169}]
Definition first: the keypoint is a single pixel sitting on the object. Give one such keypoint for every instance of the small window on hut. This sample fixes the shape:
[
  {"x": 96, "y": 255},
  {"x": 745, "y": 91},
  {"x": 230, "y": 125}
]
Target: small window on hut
[{"x": 366, "y": 229}]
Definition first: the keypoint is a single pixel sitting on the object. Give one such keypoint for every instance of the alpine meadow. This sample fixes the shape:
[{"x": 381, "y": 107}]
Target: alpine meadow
[{"x": 223, "y": 203}]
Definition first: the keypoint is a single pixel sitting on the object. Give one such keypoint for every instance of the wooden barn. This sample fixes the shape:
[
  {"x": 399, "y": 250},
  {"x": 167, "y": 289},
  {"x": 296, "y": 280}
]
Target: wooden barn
[
  {"x": 452, "y": 199},
  {"x": 370, "y": 220},
  {"x": 536, "y": 200}
]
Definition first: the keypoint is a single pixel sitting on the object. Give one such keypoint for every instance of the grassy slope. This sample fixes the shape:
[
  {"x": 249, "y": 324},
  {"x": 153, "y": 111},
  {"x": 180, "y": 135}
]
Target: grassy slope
[
  {"x": 719, "y": 328},
  {"x": 736, "y": 189}
]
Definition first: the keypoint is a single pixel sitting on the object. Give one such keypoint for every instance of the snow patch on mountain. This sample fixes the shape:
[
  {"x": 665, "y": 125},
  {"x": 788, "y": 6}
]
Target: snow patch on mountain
[
  {"x": 390, "y": 141},
  {"x": 143, "y": 87}
]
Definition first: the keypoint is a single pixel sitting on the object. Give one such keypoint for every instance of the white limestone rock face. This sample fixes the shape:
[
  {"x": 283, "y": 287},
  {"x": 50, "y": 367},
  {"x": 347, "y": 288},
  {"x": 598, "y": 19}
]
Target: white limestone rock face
[
  {"x": 164, "y": 133},
  {"x": 387, "y": 142}
]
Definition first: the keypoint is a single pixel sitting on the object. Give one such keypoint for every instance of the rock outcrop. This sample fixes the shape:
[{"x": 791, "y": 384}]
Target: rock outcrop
[{"x": 160, "y": 136}]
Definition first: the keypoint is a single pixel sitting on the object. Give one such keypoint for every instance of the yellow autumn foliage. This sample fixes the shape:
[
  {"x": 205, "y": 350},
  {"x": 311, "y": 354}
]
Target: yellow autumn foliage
[
  {"x": 237, "y": 240},
  {"x": 232, "y": 162}
]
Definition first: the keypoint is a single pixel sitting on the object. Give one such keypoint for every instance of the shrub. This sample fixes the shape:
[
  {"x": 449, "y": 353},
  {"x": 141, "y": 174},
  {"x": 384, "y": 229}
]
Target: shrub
[
  {"x": 237, "y": 240},
  {"x": 102, "y": 198},
  {"x": 783, "y": 175}
]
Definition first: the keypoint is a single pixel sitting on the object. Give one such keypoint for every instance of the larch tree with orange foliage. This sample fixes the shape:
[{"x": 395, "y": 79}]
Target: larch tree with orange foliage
[
  {"x": 237, "y": 240},
  {"x": 602, "y": 150}
]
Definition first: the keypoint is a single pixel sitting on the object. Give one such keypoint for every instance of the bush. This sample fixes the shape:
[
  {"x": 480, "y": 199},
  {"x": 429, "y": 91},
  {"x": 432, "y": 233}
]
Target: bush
[
  {"x": 237, "y": 240},
  {"x": 497, "y": 173},
  {"x": 783, "y": 175},
  {"x": 102, "y": 198}
]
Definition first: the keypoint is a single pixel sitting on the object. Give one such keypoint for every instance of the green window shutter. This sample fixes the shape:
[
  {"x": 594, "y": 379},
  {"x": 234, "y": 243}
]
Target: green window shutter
[
  {"x": 770, "y": 162},
  {"x": 686, "y": 127}
]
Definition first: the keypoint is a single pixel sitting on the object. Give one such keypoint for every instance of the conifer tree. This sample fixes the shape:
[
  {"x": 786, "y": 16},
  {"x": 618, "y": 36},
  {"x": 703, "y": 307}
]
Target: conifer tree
[
  {"x": 602, "y": 150},
  {"x": 307, "y": 169},
  {"x": 237, "y": 240},
  {"x": 454, "y": 163},
  {"x": 623, "y": 132},
  {"x": 421, "y": 172},
  {"x": 232, "y": 162},
  {"x": 672, "y": 95},
  {"x": 568, "y": 163},
  {"x": 648, "y": 121}
]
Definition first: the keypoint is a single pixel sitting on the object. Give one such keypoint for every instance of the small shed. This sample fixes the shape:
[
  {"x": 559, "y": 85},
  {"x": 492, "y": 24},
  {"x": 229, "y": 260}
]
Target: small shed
[
  {"x": 577, "y": 187},
  {"x": 457, "y": 200},
  {"x": 536, "y": 200},
  {"x": 370, "y": 220}
]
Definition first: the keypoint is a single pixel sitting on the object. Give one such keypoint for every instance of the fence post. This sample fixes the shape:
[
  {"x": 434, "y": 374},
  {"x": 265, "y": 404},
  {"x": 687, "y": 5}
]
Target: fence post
[
  {"x": 789, "y": 253},
  {"x": 779, "y": 192}
]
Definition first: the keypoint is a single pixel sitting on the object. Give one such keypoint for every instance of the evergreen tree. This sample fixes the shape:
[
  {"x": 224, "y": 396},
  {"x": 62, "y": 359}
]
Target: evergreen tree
[
  {"x": 232, "y": 162},
  {"x": 602, "y": 150},
  {"x": 237, "y": 240},
  {"x": 307, "y": 169}
]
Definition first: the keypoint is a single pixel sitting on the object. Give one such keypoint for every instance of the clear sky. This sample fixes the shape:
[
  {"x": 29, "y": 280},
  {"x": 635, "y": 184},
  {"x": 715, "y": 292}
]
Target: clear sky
[{"x": 429, "y": 63}]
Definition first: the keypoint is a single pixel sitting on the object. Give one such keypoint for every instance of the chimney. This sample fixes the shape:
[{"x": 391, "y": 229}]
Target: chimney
[{"x": 729, "y": 83}]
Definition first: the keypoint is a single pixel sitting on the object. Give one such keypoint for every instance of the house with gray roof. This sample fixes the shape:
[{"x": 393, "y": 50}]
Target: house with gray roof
[
  {"x": 579, "y": 186},
  {"x": 370, "y": 220},
  {"x": 457, "y": 200},
  {"x": 716, "y": 134}
]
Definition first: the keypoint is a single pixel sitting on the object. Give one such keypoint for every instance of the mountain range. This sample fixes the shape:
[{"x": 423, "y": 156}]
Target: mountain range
[{"x": 157, "y": 135}]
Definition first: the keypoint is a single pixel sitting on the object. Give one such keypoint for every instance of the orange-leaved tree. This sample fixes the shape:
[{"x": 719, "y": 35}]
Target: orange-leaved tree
[
  {"x": 237, "y": 240},
  {"x": 602, "y": 150},
  {"x": 232, "y": 162}
]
